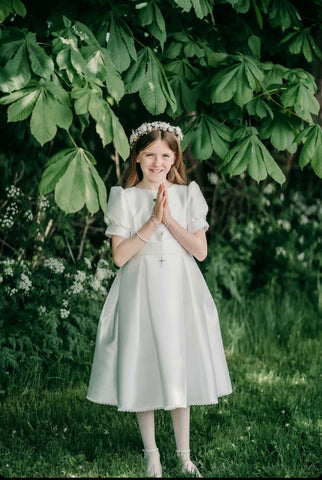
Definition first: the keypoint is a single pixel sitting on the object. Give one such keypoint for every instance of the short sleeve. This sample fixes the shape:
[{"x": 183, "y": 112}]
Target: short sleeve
[
  {"x": 117, "y": 216},
  {"x": 197, "y": 209}
]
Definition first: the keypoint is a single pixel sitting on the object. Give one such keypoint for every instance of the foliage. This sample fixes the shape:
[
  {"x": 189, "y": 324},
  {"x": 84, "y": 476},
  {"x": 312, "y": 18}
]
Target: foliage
[
  {"x": 49, "y": 315},
  {"x": 50, "y": 302},
  {"x": 273, "y": 238},
  {"x": 207, "y": 65}
]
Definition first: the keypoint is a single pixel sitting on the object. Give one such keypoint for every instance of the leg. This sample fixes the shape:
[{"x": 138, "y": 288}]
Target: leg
[
  {"x": 151, "y": 452},
  {"x": 181, "y": 426}
]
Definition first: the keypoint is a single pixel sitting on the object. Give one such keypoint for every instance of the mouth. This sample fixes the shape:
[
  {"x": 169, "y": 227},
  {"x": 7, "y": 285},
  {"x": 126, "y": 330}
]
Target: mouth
[{"x": 155, "y": 171}]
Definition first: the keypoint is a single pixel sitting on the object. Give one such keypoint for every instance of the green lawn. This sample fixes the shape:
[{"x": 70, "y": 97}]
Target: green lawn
[{"x": 270, "y": 426}]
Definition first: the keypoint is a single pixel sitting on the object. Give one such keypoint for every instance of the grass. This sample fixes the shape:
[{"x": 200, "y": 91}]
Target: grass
[{"x": 270, "y": 426}]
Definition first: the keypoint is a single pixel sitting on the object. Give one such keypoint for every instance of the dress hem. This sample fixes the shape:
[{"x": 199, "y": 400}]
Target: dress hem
[{"x": 159, "y": 407}]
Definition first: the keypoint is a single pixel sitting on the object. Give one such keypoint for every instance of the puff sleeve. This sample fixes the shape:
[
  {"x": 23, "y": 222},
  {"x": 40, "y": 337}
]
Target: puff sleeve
[
  {"x": 197, "y": 209},
  {"x": 117, "y": 216}
]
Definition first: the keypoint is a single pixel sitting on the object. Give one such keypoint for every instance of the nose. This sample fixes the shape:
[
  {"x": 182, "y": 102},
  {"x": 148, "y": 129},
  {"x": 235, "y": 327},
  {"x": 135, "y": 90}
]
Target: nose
[{"x": 157, "y": 161}]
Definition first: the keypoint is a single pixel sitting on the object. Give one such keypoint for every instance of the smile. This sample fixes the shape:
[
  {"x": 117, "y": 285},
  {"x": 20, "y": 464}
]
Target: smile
[{"x": 155, "y": 171}]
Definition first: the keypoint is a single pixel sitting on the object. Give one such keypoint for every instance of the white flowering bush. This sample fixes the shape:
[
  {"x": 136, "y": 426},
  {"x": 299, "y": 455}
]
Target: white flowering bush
[
  {"x": 50, "y": 301},
  {"x": 266, "y": 236},
  {"x": 49, "y": 314}
]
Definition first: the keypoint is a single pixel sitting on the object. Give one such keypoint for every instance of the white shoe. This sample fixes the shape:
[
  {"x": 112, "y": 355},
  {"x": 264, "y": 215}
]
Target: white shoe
[
  {"x": 154, "y": 468},
  {"x": 187, "y": 465}
]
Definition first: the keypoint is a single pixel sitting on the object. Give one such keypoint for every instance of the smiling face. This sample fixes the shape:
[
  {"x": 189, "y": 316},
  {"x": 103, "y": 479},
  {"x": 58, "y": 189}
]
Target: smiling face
[{"x": 155, "y": 161}]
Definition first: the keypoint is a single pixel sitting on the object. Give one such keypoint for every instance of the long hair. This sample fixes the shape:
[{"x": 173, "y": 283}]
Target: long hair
[{"x": 177, "y": 174}]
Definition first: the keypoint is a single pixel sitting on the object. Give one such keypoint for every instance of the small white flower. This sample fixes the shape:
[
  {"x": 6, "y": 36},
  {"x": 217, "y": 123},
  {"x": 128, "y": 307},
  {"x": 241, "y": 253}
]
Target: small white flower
[
  {"x": 54, "y": 265},
  {"x": 13, "y": 191},
  {"x": 44, "y": 203},
  {"x": 270, "y": 188},
  {"x": 42, "y": 309},
  {"x": 284, "y": 224},
  {"x": 76, "y": 287},
  {"x": 304, "y": 220},
  {"x": 213, "y": 178},
  {"x": 65, "y": 303},
  {"x": 24, "y": 283},
  {"x": 148, "y": 127},
  {"x": 301, "y": 256},
  {"x": 88, "y": 262},
  {"x": 8, "y": 271},
  {"x": 64, "y": 313},
  {"x": 280, "y": 251}
]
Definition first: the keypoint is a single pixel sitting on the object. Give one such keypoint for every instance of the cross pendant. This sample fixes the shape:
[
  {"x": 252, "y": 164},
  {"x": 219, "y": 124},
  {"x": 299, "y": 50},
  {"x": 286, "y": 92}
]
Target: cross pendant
[{"x": 161, "y": 261}]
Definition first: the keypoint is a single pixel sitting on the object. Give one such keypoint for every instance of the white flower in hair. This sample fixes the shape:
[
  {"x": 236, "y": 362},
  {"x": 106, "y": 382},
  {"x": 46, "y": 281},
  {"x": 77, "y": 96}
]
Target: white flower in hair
[{"x": 148, "y": 127}]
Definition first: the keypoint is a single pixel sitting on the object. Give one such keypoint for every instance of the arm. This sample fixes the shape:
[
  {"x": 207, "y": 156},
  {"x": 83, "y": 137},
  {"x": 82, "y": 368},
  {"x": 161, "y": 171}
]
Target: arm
[
  {"x": 124, "y": 249},
  {"x": 194, "y": 243}
]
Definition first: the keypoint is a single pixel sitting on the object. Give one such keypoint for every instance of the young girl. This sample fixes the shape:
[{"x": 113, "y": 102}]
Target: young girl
[{"x": 158, "y": 344}]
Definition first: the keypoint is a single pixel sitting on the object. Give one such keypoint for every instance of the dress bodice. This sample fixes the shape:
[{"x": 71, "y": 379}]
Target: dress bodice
[{"x": 130, "y": 208}]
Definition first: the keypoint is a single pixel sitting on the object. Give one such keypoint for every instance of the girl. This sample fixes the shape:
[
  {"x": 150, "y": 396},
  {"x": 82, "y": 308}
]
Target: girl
[{"x": 158, "y": 344}]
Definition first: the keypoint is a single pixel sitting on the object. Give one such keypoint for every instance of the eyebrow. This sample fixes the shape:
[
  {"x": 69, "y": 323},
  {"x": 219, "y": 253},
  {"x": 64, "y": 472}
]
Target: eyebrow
[{"x": 164, "y": 153}]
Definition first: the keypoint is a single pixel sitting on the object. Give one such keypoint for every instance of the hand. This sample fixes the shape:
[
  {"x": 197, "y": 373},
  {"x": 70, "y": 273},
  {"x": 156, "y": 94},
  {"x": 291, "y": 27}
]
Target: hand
[
  {"x": 158, "y": 206},
  {"x": 166, "y": 208}
]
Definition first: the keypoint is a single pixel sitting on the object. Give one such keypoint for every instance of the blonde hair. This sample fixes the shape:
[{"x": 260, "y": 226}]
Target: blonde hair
[{"x": 177, "y": 174}]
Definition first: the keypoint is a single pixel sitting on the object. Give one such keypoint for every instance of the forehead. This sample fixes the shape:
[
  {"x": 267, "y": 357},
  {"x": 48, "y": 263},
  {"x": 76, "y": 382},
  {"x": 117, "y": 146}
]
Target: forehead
[{"x": 158, "y": 146}]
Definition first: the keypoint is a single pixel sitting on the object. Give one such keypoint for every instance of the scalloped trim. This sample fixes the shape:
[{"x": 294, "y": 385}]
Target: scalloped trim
[{"x": 159, "y": 407}]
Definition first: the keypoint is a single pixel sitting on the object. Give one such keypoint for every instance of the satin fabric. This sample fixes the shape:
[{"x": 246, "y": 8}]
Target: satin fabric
[{"x": 158, "y": 344}]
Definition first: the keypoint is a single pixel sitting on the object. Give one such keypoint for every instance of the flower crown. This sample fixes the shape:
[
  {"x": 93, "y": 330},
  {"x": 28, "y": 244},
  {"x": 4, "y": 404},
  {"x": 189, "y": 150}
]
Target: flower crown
[{"x": 148, "y": 127}]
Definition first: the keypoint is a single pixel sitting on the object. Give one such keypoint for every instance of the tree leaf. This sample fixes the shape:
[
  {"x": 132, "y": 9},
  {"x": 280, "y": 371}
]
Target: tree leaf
[
  {"x": 56, "y": 167},
  {"x": 120, "y": 139},
  {"x": 22, "y": 108},
  {"x": 135, "y": 76},
  {"x": 101, "y": 113},
  {"x": 114, "y": 82},
  {"x": 272, "y": 168},
  {"x": 236, "y": 161},
  {"x": 201, "y": 146},
  {"x": 224, "y": 84},
  {"x": 102, "y": 194},
  {"x": 42, "y": 123},
  {"x": 82, "y": 98},
  {"x": 256, "y": 165},
  {"x": 184, "y": 4},
  {"x": 19, "y": 8},
  {"x": 151, "y": 93},
  {"x": 91, "y": 189},
  {"x": 41, "y": 64},
  {"x": 120, "y": 46},
  {"x": 70, "y": 188},
  {"x": 220, "y": 136},
  {"x": 18, "y": 70}
]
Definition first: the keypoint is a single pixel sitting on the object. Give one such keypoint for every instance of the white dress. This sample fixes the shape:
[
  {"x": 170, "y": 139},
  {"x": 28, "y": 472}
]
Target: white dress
[{"x": 158, "y": 343}]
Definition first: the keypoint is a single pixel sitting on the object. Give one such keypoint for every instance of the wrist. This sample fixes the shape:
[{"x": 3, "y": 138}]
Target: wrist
[
  {"x": 167, "y": 221},
  {"x": 154, "y": 219}
]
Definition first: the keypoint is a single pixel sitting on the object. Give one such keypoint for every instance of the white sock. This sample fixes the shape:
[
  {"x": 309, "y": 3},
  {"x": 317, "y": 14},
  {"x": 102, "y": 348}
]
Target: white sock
[
  {"x": 146, "y": 424},
  {"x": 181, "y": 426},
  {"x": 151, "y": 452}
]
